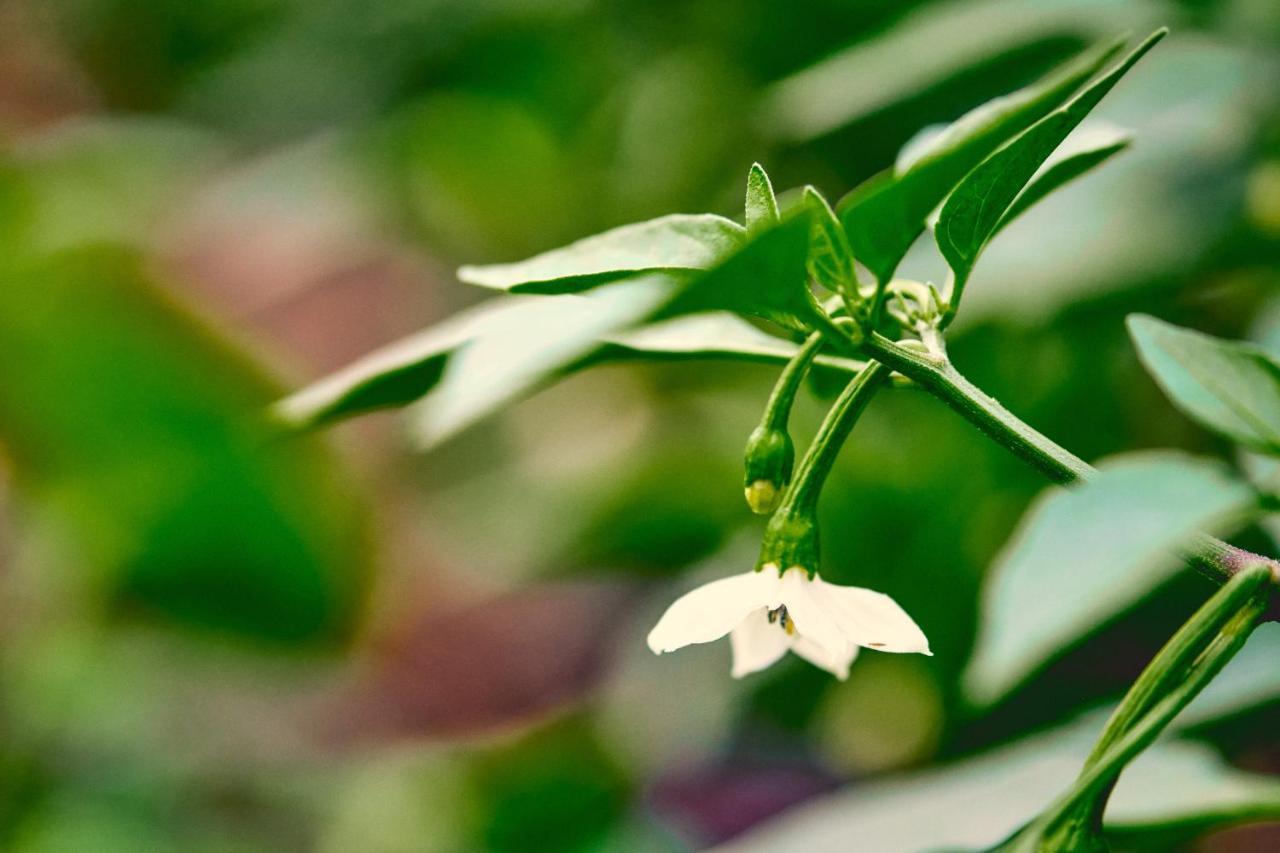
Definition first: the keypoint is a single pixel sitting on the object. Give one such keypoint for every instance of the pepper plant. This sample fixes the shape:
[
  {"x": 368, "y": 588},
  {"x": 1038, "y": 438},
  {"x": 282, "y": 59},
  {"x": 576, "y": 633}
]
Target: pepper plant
[{"x": 810, "y": 285}]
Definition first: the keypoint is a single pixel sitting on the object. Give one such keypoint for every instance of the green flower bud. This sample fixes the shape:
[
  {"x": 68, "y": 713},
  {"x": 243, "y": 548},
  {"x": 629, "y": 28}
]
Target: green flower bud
[{"x": 769, "y": 458}]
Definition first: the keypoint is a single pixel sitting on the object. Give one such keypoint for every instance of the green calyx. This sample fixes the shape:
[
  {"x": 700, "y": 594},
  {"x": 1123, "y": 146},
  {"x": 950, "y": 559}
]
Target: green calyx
[
  {"x": 769, "y": 459},
  {"x": 790, "y": 541}
]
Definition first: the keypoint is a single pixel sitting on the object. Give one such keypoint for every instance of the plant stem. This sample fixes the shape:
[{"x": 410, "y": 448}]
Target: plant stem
[
  {"x": 1212, "y": 557},
  {"x": 1188, "y": 662},
  {"x": 941, "y": 379},
  {"x": 777, "y": 410},
  {"x": 819, "y": 458}
]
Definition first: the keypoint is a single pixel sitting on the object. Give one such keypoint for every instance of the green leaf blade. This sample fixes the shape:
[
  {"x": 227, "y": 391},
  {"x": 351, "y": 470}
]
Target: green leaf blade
[
  {"x": 977, "y": 207},
  {"x": 1084, "y": 554},
  {"x": 670, "y": 243},
  {"x": 761, "y": 203},
  {"x": 1056, "y": 175},
  {"x": 830, "y": 256},
  {"x": 884, "y": 216},
  {"x": 520, "y": 350},
  {"x": 1228, "y": 387}
]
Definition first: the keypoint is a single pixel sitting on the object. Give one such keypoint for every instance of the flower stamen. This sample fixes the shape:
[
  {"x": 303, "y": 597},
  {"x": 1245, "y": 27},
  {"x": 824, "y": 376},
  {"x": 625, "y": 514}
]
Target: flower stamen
[{"x": 780, "y": 616}]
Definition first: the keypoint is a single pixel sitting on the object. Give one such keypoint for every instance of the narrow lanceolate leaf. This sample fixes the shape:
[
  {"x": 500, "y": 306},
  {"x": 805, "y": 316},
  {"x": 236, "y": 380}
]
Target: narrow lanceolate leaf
[
  {"x": 975, "y": 210},
  {"x": 669, "y": 243},
  {"x": 1085, "y": 553},
  {"x": 830, "y": 258},
  {"x": 1059, "y": 172},
  {"x": 762, "y": 204},
  {"x": 397, "y": 374},
  {"x": 764, "y": 278},
  {"x": 1229, "y": 387},
  {"x": 503, "y": 349},
  {"x": 884, "y": 216},
  {"x": 409, "y": 369},
  {"x": 520, "y": 350}
]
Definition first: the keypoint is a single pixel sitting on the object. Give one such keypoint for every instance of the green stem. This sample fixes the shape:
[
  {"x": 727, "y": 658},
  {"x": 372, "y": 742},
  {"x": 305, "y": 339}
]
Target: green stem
[
  {"x": 942, "y": 379},
  {"x": 811, "y": 472},
  {"x": 1191, "y": 659},
  {"x": 1213, "y": 557},
  {"x": 777, "y": 411}
]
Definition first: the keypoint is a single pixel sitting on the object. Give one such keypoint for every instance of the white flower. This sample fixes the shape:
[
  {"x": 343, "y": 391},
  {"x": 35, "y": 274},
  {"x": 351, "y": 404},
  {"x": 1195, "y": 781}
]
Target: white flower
[{"x": 767, "y": 612}]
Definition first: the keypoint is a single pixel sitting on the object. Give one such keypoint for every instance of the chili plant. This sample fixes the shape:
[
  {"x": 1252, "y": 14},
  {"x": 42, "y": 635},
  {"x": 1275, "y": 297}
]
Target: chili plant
[{"x": 807, "y": 284}]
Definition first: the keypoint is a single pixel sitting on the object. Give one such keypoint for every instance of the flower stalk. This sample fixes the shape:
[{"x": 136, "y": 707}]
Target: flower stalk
[{"x": 770, "y": 454}]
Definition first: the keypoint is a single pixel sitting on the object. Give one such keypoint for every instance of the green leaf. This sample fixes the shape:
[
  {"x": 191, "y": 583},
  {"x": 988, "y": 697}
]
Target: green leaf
[
  {"x": 410, "y": 368},
  {"x": 1061, "y": 171},
  {"x": 1229, "y": 387},
  {"x": 762, "y": 205},
  {"x": 518, "y": 350},
  {"x": 976, "y": 803},
  {"x": 975, "y": 210},
  {"x": 397, "y": 374},
  {"x": 1085, "y": 553},
  {"x": 498, "y": 352},
  {"x": 885, "y": 215},
  {"x": 711, "y": 335},
  {"x": 138, "y": 433},
  {"x": 669, "y": 243},
  {"x": 830, "y": 258},
  {"x": 516, "y": 353},
  {"x": 766, "y": 278}
]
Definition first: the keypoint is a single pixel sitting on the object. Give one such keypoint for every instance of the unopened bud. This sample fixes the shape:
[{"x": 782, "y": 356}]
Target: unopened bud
[{"x": 768, "y": 460}]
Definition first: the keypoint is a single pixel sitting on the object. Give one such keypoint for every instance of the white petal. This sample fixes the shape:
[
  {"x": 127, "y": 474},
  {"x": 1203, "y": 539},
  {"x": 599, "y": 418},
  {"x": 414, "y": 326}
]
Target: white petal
[
  {"x": 757, "y": 643},
  {"x": 871, "y": 619},
  {"x": 813, "y": 621},
  {"x": 712, "y": 610},
  {"x": 837, "y": 665}
]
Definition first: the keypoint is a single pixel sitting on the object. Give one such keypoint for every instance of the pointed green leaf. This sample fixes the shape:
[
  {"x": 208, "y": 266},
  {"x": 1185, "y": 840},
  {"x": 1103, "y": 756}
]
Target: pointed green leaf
[
  {"x": 830, "y": 258},
  {"x": 765, "y": 278},
  {"x": 1060, "y": 172},
  {"x": 510, "y": 346},
  {"x": 885, "y": 215},
  {"x": 519, "y": 350},
  {"x": 1229, "y": 387},
  {"x": 669, "y": 243},
  {"x": 976, "y": 208},
  {"x": 762, "y": 204},
  {"x": 1084, "y": 553},
  {"x": 397, "y": 374}
]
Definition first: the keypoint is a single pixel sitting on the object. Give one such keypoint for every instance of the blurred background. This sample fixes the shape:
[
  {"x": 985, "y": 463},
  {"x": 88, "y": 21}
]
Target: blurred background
[{"x": 213, "y": 638}]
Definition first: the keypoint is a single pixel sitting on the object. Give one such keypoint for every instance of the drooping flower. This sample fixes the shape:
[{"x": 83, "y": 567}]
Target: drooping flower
[{"x": 767, "y": 612}]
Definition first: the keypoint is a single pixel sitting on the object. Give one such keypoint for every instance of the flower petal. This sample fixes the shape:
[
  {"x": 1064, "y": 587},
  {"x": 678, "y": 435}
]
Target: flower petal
[
  {"x": 871, "y": 618},
  {"x": 757, "y": 643},
  {"x": 712, "y": 610},
  {"x": 813, "y": 621},
  {"x": 837, "y": 665}
]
